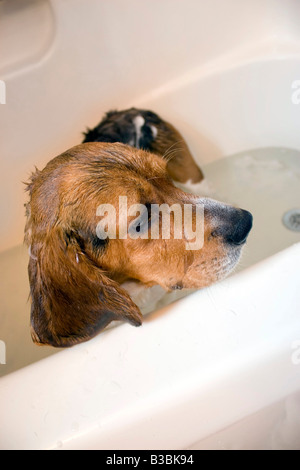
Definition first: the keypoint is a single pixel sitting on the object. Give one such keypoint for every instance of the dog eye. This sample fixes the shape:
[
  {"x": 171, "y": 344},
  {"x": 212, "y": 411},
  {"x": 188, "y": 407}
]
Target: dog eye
[
  {"x": 145, "y": 222},
  {"x": 142, "y": 223}
]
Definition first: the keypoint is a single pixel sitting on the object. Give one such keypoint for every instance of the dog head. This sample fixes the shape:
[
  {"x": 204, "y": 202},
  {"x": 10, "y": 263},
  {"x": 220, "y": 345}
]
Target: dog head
[
  {"x": 146, "y": 130},
  {"x": 77, "y": 265}
]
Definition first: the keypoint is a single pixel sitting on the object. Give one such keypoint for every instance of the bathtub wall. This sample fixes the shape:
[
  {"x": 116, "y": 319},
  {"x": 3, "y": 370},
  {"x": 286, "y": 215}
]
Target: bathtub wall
[{"x": 91, "y": 56}]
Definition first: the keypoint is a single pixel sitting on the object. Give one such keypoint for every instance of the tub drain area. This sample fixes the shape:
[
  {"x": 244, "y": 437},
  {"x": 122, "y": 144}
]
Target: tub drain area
[{"x": 291, "y": 220}]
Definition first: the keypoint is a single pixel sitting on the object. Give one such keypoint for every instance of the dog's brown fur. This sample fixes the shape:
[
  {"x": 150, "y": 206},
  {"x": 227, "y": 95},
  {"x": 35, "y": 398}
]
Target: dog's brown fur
[
  {"x": 75, "y": 278},
  {"x": 155, "y": 135},
  {"x": 170, "y": 144}
]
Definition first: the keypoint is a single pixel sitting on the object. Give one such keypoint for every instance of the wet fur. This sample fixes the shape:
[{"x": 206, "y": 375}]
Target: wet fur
[
  {"x": 155, "y": 135},
  {"x": 75, "y": 278}
]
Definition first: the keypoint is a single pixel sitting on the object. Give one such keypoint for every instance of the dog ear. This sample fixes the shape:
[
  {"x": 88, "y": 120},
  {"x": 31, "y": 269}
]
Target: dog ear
[
  {"x": 72, "y": 298},
  {"x": 181, "y": 165}
]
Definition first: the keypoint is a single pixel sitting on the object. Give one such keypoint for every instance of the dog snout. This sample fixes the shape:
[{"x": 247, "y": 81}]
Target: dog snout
[
  {"x": 238, "y": 230},
  {"x": 229, "y": 223},
  {"x": 235, "y": 227}
]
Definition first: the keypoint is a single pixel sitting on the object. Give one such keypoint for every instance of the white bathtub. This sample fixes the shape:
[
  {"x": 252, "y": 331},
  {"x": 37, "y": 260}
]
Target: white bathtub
[{"x": 219, "y": 368}]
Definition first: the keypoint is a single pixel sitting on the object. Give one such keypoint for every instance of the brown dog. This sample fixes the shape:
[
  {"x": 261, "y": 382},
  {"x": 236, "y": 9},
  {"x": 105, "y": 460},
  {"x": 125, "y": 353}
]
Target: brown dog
[
  {"x": 145, "y": 130},
  {"x": 75, "y": 276}
]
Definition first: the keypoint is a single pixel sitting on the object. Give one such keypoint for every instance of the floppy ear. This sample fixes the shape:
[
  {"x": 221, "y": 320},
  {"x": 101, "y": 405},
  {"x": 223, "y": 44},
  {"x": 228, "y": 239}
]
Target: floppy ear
[
  {"x": 72, "y": 299},
  {"x": 181, "y": 165}
]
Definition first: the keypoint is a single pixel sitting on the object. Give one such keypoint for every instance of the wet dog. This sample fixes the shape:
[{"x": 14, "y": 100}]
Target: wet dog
[{"x": 77, "y": 277}]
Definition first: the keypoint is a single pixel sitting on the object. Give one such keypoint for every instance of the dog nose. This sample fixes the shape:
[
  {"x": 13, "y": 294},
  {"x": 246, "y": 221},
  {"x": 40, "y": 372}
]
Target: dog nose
[
  {"x": 233, "y": 226},
  {"x": 237, "y": 229}
]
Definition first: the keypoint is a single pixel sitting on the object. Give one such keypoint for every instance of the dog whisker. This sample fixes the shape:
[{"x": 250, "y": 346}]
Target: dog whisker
[
  {"x": 169, "y": 148},
  {"x": 172, "y": 154}
]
